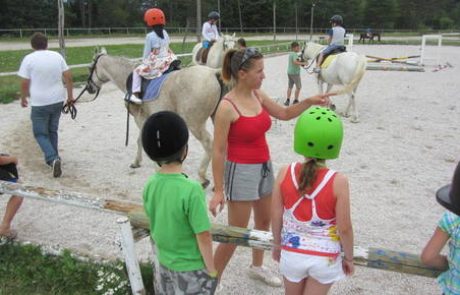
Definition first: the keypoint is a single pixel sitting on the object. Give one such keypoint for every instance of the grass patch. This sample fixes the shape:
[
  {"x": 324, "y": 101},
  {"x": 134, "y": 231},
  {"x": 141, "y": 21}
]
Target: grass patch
[
  {"x": 24, "y": 269},
  {"x": 11, "y": 60}
]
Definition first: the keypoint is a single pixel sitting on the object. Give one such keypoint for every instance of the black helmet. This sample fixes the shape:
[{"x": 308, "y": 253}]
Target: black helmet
[
  {"x": 337, "y": 19},
  {"x": 164, "y": 137},
  {"x": 449, "y": 195},
  {"x": 214, "y": 15}
]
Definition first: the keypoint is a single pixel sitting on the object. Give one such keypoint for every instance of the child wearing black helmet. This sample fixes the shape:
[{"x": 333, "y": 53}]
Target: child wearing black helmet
[
  {"x": 448, "y": 229},
  {"x": 176, "y": 207},
  {"x": 335, "y": 39}
]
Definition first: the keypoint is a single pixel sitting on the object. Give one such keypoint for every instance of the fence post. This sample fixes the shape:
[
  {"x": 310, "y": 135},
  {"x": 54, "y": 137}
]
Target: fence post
[
  {"x": 20, "y": 33},
  {"x": 129, "y": 252},
  {"x": 127, "y": 31}
]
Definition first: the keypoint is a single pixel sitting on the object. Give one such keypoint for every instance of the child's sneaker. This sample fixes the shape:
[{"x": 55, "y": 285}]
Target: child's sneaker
[
  {"x": 286, "y": 103},
  {"x": 295, "y": 101},
  {"x": 264, "y": 274},
  {"x": 132, "y": 98}
]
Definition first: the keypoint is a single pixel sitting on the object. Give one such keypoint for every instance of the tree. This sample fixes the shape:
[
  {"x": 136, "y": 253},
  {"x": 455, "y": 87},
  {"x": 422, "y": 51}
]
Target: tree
[{"x": 381, "y": 14}]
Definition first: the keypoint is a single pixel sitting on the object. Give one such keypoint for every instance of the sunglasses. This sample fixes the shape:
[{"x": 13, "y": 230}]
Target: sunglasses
[{"x": 248, "y": 54}]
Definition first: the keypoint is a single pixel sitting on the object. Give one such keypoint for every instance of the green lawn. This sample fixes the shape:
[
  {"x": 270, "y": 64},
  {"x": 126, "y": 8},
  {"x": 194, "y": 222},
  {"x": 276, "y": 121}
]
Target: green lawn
[{"x": 24, "y": 269}]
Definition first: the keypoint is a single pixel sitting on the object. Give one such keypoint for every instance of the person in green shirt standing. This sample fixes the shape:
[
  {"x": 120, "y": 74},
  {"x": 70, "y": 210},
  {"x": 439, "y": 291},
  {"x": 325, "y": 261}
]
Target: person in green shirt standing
[
  {"x": 176, "y": 207},
  {"x": 293, "y": 73}
]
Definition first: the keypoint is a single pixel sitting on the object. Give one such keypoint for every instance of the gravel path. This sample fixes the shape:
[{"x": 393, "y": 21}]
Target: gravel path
[{"x": 404, "y": 148}]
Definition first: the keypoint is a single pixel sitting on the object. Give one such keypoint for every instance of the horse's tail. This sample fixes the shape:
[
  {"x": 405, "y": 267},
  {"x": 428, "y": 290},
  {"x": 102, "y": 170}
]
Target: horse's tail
[{"x": 359, "y": 73}]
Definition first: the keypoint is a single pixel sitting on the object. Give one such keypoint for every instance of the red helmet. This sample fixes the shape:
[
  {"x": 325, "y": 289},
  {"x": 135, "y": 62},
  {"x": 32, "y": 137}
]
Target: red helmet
[{"x": 154, "y": 16}]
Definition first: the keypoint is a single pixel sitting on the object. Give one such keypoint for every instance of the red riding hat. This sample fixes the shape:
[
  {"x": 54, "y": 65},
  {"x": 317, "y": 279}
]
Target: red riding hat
[{"x": 154, "y": 16}]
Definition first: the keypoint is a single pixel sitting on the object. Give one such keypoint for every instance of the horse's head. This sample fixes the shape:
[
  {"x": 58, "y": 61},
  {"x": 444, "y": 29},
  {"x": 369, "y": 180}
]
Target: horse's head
[
  {"x": 310, "y": 50},
  {"x": 228, "y": 41},
  {"x": 94, "y": 81}
]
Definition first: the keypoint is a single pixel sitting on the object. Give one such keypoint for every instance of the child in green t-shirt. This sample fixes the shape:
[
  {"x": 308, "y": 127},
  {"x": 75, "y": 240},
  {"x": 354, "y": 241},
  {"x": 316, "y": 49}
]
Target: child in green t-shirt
[
  {"x": 293, "y": 72},
  {"x": 176, "y": 207}
]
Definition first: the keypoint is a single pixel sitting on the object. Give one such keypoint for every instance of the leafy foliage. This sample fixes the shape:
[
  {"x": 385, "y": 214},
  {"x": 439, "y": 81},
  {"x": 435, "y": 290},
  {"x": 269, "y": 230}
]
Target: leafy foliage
[{"x": 384, "y": 14}]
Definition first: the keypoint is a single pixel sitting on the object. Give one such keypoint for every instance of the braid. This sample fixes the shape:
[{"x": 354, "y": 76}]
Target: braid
[{"x": 308, "y": 175}]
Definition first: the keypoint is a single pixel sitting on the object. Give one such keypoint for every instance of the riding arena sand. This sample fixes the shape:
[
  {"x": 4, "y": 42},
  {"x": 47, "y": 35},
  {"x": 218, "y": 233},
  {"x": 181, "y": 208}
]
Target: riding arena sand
[{"x": 404, "y": 148}]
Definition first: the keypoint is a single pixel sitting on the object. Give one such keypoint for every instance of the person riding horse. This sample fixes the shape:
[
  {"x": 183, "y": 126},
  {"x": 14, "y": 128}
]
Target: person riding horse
[
  {"x": 157, "y": 56},
  {"x": 210, "y": 33},
  {"x": 336, "y": 40}
]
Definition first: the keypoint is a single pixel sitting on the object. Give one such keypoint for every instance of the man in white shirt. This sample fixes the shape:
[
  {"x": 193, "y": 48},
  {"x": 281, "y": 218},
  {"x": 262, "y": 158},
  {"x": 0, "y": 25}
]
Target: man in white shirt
[{"x": 42, "y": 72}]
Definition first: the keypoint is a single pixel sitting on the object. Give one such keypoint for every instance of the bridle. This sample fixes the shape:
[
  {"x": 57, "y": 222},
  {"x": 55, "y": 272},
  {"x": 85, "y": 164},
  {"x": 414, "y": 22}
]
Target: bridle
[{"x": 70, "y": 107}]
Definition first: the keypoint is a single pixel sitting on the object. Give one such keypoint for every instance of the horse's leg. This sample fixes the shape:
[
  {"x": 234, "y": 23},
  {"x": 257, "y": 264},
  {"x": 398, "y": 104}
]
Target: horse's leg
[
  {"x": 352, "y": 105},
  {"x": 331, "y": 104},
  {"x": 139, "y": 119},
  {"x": 204, "y": 138}
]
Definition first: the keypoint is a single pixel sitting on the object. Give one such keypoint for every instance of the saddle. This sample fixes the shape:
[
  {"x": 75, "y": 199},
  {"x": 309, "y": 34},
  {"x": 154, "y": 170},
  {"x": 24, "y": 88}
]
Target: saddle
[
  {"x": 336, "y": 51},
  {"x": 174, "y": 66},
  {"x": 202, "y": 54}
]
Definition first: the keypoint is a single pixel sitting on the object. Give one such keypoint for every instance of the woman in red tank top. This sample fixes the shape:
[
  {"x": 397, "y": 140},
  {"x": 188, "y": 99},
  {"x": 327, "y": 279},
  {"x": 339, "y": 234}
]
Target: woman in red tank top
[{"x": 241, "y": 154}]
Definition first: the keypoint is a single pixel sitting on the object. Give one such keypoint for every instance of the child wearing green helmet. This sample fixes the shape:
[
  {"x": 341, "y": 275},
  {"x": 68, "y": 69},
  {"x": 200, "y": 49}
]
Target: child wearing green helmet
[{"x": 311, "y": 222}]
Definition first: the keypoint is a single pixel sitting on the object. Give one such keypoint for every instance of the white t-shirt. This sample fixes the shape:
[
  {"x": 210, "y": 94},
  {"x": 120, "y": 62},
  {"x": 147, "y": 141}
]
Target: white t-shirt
[
  {"x": 210, "y": 32},
  {"x": 152, "y": 41},
  {"x": 44, "y": 69}
]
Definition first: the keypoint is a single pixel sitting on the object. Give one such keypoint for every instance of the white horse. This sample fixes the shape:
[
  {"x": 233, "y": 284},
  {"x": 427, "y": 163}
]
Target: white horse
[
  {"x": 216, "y": 52},
  {"x": 192, "y": 92},
  {"x": 346, "y": 69}
]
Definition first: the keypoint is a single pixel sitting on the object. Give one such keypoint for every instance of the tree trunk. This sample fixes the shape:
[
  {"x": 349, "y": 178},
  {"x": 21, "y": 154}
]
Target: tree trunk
[
  {"x": 82, "y": 13},
  {"x": 198, "y": 20},
  {"x": 239, "y": 14}
]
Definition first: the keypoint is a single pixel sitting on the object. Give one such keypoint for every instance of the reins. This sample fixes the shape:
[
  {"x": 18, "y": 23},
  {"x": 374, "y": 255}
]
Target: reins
[{"x": 69, "y": 107}]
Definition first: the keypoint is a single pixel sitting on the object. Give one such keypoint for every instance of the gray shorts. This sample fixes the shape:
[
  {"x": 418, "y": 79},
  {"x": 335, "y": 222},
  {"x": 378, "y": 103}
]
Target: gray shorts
[
  {"x": 185, "y": 282},
  {"x": 294, "y": 79},
  {"x": 248, "y": 182}
]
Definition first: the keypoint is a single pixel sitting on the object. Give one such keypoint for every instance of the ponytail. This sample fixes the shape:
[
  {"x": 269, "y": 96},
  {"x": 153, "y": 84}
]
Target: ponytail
[
  {"x": 227, "y": 74},
  {"x": 158, "y": 29}
]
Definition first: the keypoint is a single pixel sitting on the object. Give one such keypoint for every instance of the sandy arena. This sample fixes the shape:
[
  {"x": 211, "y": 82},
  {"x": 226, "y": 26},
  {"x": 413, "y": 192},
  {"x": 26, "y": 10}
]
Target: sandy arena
[{"x": 404, "y": 148}]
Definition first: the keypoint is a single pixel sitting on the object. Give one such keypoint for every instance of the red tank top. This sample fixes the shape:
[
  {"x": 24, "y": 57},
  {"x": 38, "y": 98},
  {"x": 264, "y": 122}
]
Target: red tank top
[
  {"x": 325, "y": 201},
  {"x": 246, "y": 138}
]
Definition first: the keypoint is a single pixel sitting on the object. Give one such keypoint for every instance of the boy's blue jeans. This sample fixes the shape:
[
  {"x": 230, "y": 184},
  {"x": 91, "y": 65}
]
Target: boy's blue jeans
[{"x": 45, "y": 124}]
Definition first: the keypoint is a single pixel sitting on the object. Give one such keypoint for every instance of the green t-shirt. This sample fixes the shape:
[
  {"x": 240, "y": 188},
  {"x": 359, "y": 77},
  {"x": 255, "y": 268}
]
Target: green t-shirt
[
  {"x": 176, "y": 207},
  {"x": 293, "y": 69}
]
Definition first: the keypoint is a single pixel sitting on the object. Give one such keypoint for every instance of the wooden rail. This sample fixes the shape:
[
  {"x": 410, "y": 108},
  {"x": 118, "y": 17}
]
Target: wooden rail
[{"x": 377, "y": 258}]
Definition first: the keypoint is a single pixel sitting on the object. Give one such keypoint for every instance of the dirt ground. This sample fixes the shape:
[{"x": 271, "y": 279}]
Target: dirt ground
[{"x": 405, "y": 147}]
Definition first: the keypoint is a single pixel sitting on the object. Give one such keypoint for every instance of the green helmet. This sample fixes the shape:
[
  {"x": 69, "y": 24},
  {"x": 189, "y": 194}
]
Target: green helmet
[{"x": 318, "y": 134}]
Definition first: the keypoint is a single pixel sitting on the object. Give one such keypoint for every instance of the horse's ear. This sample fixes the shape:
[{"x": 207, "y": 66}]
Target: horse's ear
[
  {"x": 96, "y": 50},
  {"x": 103, "y": 50},
  {"x": 233, "y": 36}
]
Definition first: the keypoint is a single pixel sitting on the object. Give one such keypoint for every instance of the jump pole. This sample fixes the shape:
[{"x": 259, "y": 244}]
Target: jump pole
[
  {"x": 394, "y": 67},
  {"x": 377, "y": 258}
]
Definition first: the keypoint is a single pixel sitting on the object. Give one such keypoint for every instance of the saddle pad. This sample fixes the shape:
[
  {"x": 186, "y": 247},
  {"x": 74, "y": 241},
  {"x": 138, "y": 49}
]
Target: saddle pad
[
  {"x": 153, "y": 88},
  {"x": 328, "y": 61}
]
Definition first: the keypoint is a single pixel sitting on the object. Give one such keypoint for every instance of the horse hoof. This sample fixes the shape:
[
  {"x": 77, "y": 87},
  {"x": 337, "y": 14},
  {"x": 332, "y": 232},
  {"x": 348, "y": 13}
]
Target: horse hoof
[
  {"x": 354, "y": 120},
  {"x": 134, "y": 166},
  {"x": 205, "y": 183}
]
